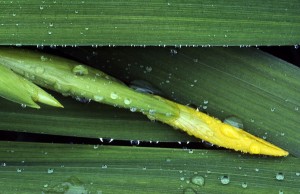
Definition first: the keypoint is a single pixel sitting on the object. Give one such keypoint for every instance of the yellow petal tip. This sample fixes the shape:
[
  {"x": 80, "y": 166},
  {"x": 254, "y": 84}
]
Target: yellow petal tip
[{"x": 214, "y": 131}]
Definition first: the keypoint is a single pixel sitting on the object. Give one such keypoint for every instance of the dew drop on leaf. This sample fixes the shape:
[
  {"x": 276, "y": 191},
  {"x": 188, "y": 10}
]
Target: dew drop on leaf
[
  {"x": 43, "y": 58},
  {"x": 173, "y": 52},
  {"x": 135, "y": 142},
  {"x": 244, "y": 185},
  {"x": 104, "y": 166},
  {"x": 189, "y": 191},
  {"x": 207, "y": 144},
  {"x": 50, "y": 170},
  {"x": 198, "y": 180},
  {"x": 133, "y": 109},
  {"x": 225, "y": 179},
  {"x": 114, "y": 95},
  {"x": 234, "y": 121},
  {"x": 82, "y": 99},
  {"x": 80, "y": 70},
  {"x": 148, "y": 69},
  {"x": 143, "y": 86},
  {"x": 98, "y": 98},
  {"x": 254, "y": 148},
  {"x": 127, "y": 101},
  {"x": 280, "y": 192},
  {"x": 280, "y": 176}
]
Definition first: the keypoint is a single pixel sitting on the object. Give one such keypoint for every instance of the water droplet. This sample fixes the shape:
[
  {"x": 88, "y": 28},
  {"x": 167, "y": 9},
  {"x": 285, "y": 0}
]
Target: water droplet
[
  {"x": 173, "y": 52},
  {"x": 244, "y": 185},
  {"x": 39, "y": 70},
  {"x": 14, "y": 14},
  {"x": 168, "y": 114},
  {"x": 234, "y": 121},
  {"x": 254, "y": 148},
  {"x": 98, "y": 98},
  {"x": 144, "y": 87},
  {"x": 96, "y": 146},
  {"x": 4, "y": 164},
  {"x": 229, "y": 131},
  {"x": 195, "y": 60},
  {"x": 189, "y": 191},
  {"x": 296, "y": 46},
  {"x": 51, "y": 24},
  {"x": 133, "y": 109},
  {"x": 104, "y": 166},
  {"x": 152, "y": 112},
  {"x": 225, "y": 179},
  {"x": 114, "y": 95},
  {"x": 71, "y": 185},
  {"x": 148, "y": 69},
  {"x": 23, "y": 105},
  {"x": 19, "y": 170},
  {"x": 80, "y": 70},
  {"x": 127, "y": 101},
  {"x": 256, "y": 169},
  {"x": 82, "y": 99},
  {"x": 280, "y": 192},
  {"x": 182, "y": 178},
  {"x": 191, "y": 151},
  {"x": 49, "y": 32},
  {"x": 198, "y": 180},
  {"x": 41, "y": 7},
  {"x": 135, "y": 142},
  {"x": 43, "y": 58},
  {"x": 207, "y": 144},
  {"x": 297, "y": 173},
  {"x": 50, "y": 170},
  {"x": 273, "y": 109},
  {"x": 279, "y": 176},
  {"x": 296, "y": 108}
]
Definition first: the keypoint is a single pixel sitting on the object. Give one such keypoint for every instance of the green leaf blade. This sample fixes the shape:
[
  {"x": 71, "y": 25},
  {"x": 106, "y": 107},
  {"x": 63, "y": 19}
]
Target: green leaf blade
[
  {"x": 232, "y": 23},
  {"x": 47, "y": 167}
]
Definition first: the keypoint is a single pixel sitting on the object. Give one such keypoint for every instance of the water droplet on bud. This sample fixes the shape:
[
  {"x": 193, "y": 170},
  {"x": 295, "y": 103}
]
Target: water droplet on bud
[{"x": 80, "y": 70}]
